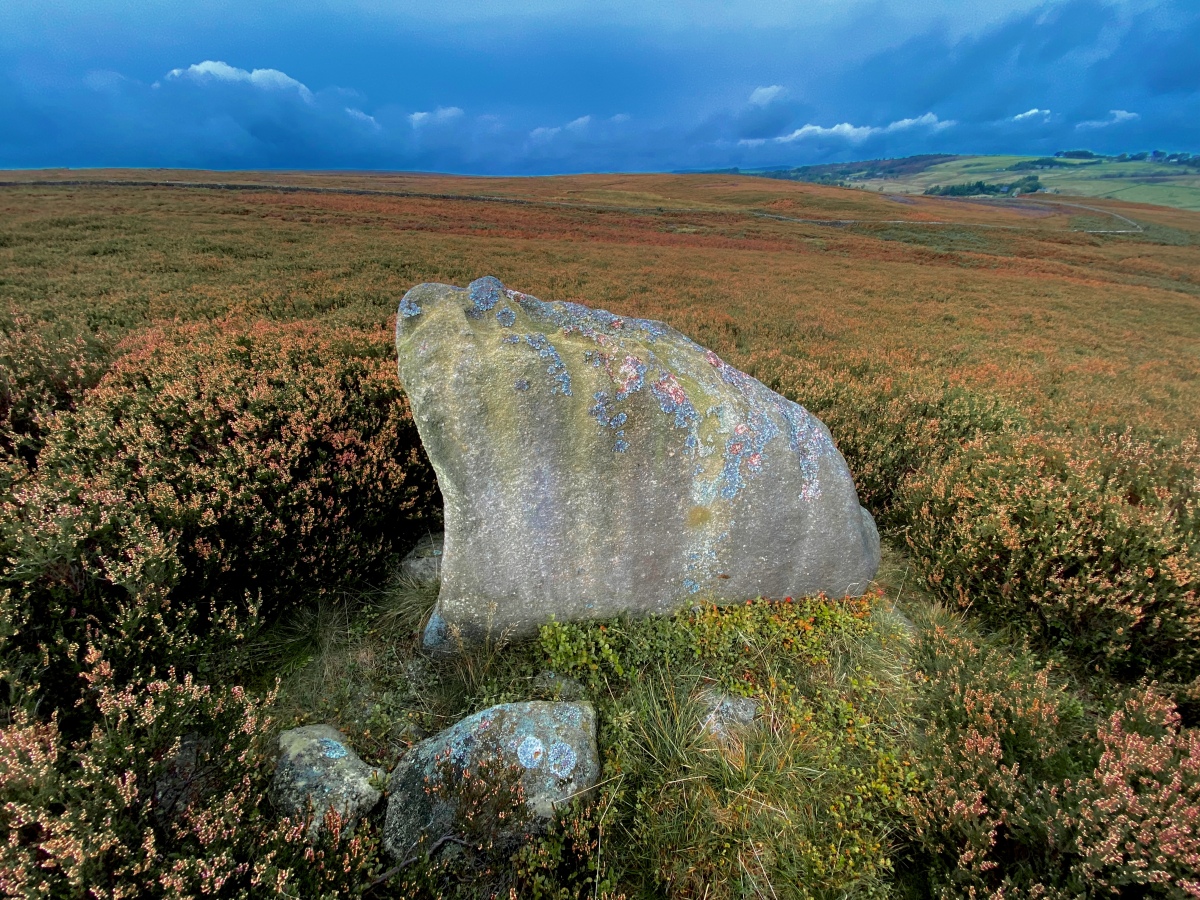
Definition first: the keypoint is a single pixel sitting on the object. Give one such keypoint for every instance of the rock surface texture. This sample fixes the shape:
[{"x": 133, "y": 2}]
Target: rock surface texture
[
  {"x": 549, "y": 747},
  {"x": 317, "y": 766},
  {"x": 726, "y": 716},
  {"x": 592, "y": 465},
  {"x": 424, "y": 562}
]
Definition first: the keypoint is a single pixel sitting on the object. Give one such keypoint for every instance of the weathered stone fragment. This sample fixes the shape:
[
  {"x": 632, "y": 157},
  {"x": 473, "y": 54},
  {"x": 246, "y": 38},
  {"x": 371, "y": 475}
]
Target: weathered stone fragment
[
  {"x": 592, "y": 465},
  {"x": 188, "y": 775},
  {"x": 317, "y": 766},
  {"x": 727, "y": 716},
  {"x": 550, "y": 748},
  {"x": 424, "y": 562}
]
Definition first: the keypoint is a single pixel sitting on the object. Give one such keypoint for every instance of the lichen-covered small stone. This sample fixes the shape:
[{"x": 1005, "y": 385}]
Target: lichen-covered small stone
[
  {"x": 549, "y": 747},
  {"x": 593, "y": 465},
  {"x": 317, "y": 767}
]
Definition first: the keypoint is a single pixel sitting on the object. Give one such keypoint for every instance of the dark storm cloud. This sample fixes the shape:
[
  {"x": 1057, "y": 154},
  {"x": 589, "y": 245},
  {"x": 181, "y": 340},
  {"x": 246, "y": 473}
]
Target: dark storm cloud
[{"x": 545, "y": 92}]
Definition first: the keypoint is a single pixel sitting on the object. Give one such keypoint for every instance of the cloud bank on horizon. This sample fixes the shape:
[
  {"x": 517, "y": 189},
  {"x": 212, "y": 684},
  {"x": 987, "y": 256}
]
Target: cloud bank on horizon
[{"x": 536, "y": 87}]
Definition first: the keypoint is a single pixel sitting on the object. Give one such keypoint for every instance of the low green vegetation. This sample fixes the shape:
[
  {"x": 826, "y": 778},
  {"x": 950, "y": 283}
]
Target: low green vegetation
[
  {"x": 1165, "y": 179},
  {"x": 1027, "y": 185},
  {"x": 843, "y": 173}
]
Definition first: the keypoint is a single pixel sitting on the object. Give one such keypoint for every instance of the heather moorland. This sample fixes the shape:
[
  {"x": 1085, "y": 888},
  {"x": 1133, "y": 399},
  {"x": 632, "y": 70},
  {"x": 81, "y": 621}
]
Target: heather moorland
[{"x": 208, "y": 472}]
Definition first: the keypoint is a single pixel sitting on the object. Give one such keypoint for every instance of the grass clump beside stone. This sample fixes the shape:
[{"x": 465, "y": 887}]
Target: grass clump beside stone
[{"x": 802, "y": 801}]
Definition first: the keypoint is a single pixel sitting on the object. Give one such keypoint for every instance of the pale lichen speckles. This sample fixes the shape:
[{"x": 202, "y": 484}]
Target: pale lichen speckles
[
  {"x": 605, "y": 464},
  {"x": 485, "y": 294},
  {"x": 530, "y": 752},
  {"x": 603, "y": 412},
  {"x": 332, "y": 749},
  {"x": 562, "y": 759},
  {"x": 408, "y": 308},
  {"x": 557, "y": 369}
]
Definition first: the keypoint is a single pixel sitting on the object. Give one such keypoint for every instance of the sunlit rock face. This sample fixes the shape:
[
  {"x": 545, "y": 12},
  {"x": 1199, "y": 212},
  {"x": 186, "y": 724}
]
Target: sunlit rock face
[{"x": 593, "y": 465}]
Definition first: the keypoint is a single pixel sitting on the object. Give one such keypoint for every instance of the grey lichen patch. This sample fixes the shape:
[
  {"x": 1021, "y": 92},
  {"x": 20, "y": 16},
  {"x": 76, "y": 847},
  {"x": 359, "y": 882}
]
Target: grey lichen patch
[
  {"x": 593, "y": 464},
  {"x": 549, "y": 747},
  {"x": 317, "y": 771}
]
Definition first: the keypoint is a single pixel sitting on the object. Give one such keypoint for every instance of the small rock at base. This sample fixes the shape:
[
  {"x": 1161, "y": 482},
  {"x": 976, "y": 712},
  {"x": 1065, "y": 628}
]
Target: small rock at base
[
  {"x": 725, "y": 715},
  {"x": 424, "y": 562},
  {"x": 188, "y": 775},
  {"x": 552, "y": 686},
  {"x": 318, "y": 768},
  {"x": 549, "y": 747}
]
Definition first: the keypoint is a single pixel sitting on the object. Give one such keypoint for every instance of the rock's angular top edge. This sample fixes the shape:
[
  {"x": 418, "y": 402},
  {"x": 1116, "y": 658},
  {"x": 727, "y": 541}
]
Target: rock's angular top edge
[{"x": 486, "y": 293}]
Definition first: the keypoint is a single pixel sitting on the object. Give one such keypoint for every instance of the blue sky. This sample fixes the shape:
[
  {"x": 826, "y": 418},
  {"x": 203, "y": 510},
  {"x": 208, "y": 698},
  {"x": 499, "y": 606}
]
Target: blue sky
[{"x": 538, "y": 87}]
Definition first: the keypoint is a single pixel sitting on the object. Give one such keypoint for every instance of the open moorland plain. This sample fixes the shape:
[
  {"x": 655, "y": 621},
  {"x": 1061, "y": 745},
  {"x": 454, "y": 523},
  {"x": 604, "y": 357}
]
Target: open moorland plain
[{"x": 208, "y": 471}]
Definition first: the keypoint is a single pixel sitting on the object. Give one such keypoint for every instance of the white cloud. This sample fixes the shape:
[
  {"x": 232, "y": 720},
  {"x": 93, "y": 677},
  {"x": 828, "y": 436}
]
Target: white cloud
[
  {"x": 856, "y": 134},
  {"x": 1115, "y": 117},
  {"x": 1031, "y": 114},
  {"x": 439, "y": 116},
  {"x": 852, "y": 133},
  {"x": 761, "y": 96},
  {"x": 929, "y": 120},
  {"x": 264, "y": 79},
  {"x": 547, "y": 133},
  {"x": 619, "y": 118},
  {"x": 361, "y": 116}
]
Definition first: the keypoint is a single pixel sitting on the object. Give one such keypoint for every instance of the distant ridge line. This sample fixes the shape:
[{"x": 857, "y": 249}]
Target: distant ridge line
[{"x": 520, "y": 201}]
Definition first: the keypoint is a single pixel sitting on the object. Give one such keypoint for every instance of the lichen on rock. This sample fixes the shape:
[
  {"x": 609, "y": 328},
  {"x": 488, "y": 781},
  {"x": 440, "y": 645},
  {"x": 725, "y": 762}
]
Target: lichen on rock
[
  {"x": 317, "y": 771},
  {"x": 593, "y": 465},
  {"x": 548, "y": 749}
]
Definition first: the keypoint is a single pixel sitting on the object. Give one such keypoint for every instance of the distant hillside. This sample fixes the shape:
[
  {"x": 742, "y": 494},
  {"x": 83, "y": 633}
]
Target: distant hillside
[
  {"x": 839, "y": 173},
  {"x": 1158, "y": 178}
]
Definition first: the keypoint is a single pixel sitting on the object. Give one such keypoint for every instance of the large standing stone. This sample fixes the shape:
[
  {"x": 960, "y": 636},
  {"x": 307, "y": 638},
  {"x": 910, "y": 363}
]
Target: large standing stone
[
  {"x": 550, "y": 748},
  {"x": 592, "y": 465}
]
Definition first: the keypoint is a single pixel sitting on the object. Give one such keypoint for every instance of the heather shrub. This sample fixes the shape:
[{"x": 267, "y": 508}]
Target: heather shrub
[
  {"x": 215, "y": 475},
  {"x": 887, "y": 425},
  {"x": 163, "y": 799},
  {"x": 1090, "y": 543},
  {"x": 1133, "y": 825},
  {"x": 44, "y": 369},
  {"x": 1001, "y": 734},
  {"x": 1026, "y": 791}
]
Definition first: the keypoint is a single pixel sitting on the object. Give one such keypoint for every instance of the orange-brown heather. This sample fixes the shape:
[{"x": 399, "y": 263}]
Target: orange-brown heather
[
  {"x": 200, "y": 429},
  {"x": 1015, "y": 298}
]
